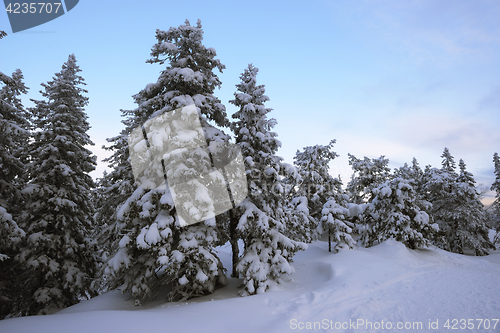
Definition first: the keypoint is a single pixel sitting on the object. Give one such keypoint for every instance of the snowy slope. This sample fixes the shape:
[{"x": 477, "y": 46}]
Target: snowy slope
[{"x": 386, "y": 283}]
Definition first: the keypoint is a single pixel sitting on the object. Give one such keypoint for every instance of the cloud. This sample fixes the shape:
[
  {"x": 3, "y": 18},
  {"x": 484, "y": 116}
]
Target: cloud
[
  {"x": 491, "y": 101},
  {"x": 445, "y": 129},
  {"x": 440, "y": 32}
]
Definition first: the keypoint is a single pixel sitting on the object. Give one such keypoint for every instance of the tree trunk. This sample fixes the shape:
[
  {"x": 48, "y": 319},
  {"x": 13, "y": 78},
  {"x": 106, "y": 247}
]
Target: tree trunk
[
  {"x": 233, "y": 239},
  {"x": 329, "y": 241}
]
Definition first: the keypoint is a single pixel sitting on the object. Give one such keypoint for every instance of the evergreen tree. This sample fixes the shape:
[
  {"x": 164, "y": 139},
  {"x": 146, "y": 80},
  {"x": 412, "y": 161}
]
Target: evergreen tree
[
  {"x": 496, "y": 187},
  {"x": 14, "y": 126},
  {"x": 154, "y": 247},
  {"x": 456, "y": 207},
  {"x": 471, "y": 216},
  {"x": 438, "y": 188},
  {"x": 448, "y": 163},
  {"x": 300, "y": 225},
  {"x": 261, "y": 216},
  {"x": 13, "y": 136},
  {"x": 335, "y": 219},
  {"x": 308, "y": 189},
  {"x": 394, "y": 213},
  {"x": 57, "y": 217},
  {"x": 317, "y": 184},
  {"x": 413, "y": 174},
  {"x": 367, "y": 175}
]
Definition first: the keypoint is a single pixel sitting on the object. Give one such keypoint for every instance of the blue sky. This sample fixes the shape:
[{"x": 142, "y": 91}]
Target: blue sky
[{"x": 394, "y": 78}]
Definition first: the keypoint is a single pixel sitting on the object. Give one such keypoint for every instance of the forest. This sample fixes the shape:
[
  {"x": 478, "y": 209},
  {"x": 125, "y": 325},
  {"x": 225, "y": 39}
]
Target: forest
[{"x": 66, "y": 237}]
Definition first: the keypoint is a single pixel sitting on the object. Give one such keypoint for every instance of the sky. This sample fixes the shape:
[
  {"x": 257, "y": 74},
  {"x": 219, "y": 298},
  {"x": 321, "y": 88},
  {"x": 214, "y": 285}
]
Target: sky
[{"x": 402, "y": 79}]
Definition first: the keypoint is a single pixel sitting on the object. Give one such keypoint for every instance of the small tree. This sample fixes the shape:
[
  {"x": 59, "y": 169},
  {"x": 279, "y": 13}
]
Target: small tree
[
  {"x": 394, "y": 213},
  {"x": 310, "y": 189},
  {"x": 261, "y": 216},
  {"x": 496, "y": 187},
  {"x": 58, "y": 212},
  {"x": 335, "y": 220},
  {"x": 367, "y": 175},
  {"x": 317, "y": 184}
]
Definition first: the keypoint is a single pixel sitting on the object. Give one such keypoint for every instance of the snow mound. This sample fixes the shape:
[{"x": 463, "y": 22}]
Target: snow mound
[{"x": 387, "y": 282}]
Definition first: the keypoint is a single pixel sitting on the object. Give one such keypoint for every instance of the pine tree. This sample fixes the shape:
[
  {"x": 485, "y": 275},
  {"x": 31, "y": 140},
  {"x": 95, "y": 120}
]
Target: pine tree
[
  {"x": 308, "y": 187},
  {"x": 496, "y": 187},
  {"x": 14, "y": 126},
  {"x": 471, "y": 216},
  {"x": 300, "y": 225},
  {"x": 367, "y": 175},
  {"x": 394, "y": 213},
  {"x": 438, "y": 188},
  {"x": 413, "y": 174},
  {"x": 317, "y": 184},
  {"x": 456, "y": 207},
  {"x": 57, "y": 217},
  {"x": 154, "y": 246},
  {"x": 335, "y": 219},
  {"x": 14, "y": 134},
  {"x": 261, "y": 216}
]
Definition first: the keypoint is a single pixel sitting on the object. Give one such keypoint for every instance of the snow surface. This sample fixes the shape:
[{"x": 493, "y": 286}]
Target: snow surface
[{"x": 386, "y": 282}]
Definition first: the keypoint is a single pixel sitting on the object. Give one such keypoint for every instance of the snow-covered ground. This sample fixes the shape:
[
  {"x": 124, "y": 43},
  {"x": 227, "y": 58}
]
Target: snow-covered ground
[{"x": 380, "y": 287}]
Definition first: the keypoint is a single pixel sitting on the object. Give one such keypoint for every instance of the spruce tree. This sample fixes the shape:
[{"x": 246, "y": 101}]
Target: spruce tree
[
  {"x": 471, "y": 216},
  {"x": 415, "y": 176},
  {"x": 13, "y": 137},
  {"x": 456, "y": 207},
  {"x": 14, "y": 126},
  {"x": 367, "y": 175},
  {"x": 496, "y": 187},
  {"x": 395, "y": 213},
  {"x": 335, "y": 219},
  {"x": 300, "y": 225},
  {"x": 438, "y": 189},
  {"x": 308, "y": 188},
  {"x": 317, "y": 184},
  {"x": 154, "y": 248},
  {"x": 57, "y": 217},
  {"x": 261, "y": 217}
]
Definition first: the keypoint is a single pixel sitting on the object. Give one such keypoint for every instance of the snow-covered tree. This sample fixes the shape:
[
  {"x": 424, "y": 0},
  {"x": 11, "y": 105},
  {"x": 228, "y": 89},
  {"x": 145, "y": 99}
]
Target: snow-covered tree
[
  {"x": 317, "y": 184},
  {"x": 309, "y": 187},
  {"x": 11, "y": 237},
  {"x": 14, "y": 126},
  {"x": 335, "y": 220},
  {"x": 261, "y": 216},
  {"x": 413, "y": 174},
  {"x": 154, "y": 247},
  {"x": 57, "y": 217},
  {"x": 394, "y": 213},
  {"x": 456, "y": 208},
  {"x": 367, "y": 175},
  {"x": 471, "y": 215},
  {"x": 496, "y": 187},
  {"x": 300, "y": 225},
  {"x": 13, "y": 136}
]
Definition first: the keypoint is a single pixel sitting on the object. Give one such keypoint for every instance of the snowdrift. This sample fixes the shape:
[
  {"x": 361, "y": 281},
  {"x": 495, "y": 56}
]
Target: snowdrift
[{"x": 361, "y": 290}]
